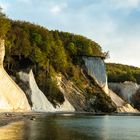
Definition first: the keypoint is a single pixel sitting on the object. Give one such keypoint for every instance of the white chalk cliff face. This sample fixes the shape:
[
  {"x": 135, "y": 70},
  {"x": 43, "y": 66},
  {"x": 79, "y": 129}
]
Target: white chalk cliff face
[
  {"x": 75, "y": 98},
  {"x": 122, "y": 106},
  {"x": 38, "y": 99},
  {"x": 125, "y": 90},
  {"x": 12, "y": 98},
  {"x": 96, "y": 69},
  {"x": 66, "y": 106}
]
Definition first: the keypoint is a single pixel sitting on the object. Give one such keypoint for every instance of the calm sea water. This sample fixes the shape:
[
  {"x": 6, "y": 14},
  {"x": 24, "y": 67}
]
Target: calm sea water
[{"x": 74, "y": 127}]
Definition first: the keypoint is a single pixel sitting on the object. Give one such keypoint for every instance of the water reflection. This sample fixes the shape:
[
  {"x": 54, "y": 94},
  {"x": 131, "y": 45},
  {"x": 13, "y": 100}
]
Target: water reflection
[
  {"x": 50, "y": 128},
  {"x": 14, "y": 131},
  {"x": 41, "y": 129},
  {"x": 75, "y": 127}
]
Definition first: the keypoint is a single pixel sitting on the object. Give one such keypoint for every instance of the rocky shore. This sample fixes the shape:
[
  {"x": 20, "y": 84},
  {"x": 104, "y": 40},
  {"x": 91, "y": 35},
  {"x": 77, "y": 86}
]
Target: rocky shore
[{"x": 6, "y": 118}]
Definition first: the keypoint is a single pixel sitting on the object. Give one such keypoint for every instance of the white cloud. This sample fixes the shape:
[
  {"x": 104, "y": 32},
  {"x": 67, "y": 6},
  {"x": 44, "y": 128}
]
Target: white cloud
[
  {"x": 56, "y": 9},
  {"x": 125, "y": 3},
  {"x": 4, "y": 6}
]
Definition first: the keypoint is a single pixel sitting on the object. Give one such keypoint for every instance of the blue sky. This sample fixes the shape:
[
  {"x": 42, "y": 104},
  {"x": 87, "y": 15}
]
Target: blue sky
[{"x": 114, "y": 24}]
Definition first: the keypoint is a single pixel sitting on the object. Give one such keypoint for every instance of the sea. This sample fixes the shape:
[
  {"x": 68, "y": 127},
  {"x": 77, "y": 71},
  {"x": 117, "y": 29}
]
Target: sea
[{"x": 70, "y": 126}]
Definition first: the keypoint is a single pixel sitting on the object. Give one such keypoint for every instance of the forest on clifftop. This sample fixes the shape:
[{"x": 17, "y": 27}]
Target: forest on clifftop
[
  {"x": 48, "y": 53},
  {"x": 121, "y": 73}
]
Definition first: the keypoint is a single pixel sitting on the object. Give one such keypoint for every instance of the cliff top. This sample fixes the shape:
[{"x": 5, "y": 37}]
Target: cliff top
[{"x": 122, "y": 73}]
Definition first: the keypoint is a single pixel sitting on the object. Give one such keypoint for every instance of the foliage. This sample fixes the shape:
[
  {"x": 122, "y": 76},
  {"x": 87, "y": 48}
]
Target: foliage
[
  {"x": 71, "y": 48},
  {"x": 78, "y": 45},
  {"x": 4, "y": 24},
  {"x": 100, "y": 102},
  {"x": 53, "y": 93},
  {"x": 46, "y": 52},
  {"x": 103, "y": 103},
  {"x": 122, "y": 73}
]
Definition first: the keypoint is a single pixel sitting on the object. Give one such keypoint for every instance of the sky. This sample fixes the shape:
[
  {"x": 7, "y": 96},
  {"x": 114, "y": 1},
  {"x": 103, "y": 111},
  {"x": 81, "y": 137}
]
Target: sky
[{"x": 114, "y": 24}]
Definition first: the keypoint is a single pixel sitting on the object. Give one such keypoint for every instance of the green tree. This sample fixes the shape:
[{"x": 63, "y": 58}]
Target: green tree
[
  {"x": 71, "y": 48},
  {"x": 4, "y": 24},
  {"x": 59, "y": 57},
  {"x": 37, "y": 38}
]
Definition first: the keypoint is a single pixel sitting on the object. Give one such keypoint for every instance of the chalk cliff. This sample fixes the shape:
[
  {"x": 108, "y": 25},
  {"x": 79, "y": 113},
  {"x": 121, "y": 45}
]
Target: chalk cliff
[
  {"x": 75, "y": 100},
  {"x": 80, "y": 100},
  {"x": 12, "y": 98},
  {"x": 36, "y": 97},
  {"x": 29, "y": 97},
  {"x": 122, "y": 106},
  {"x": 125, "y": 90},
  {"x": 95, "y": 67}
]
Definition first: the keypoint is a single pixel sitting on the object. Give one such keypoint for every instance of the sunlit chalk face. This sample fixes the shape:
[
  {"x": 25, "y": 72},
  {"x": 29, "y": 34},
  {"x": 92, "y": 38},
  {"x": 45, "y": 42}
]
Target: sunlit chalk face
[{"x": 4, "y": 104}]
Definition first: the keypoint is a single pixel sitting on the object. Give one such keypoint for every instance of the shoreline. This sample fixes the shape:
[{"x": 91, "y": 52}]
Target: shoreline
[{"x": 10, "y": 117}]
